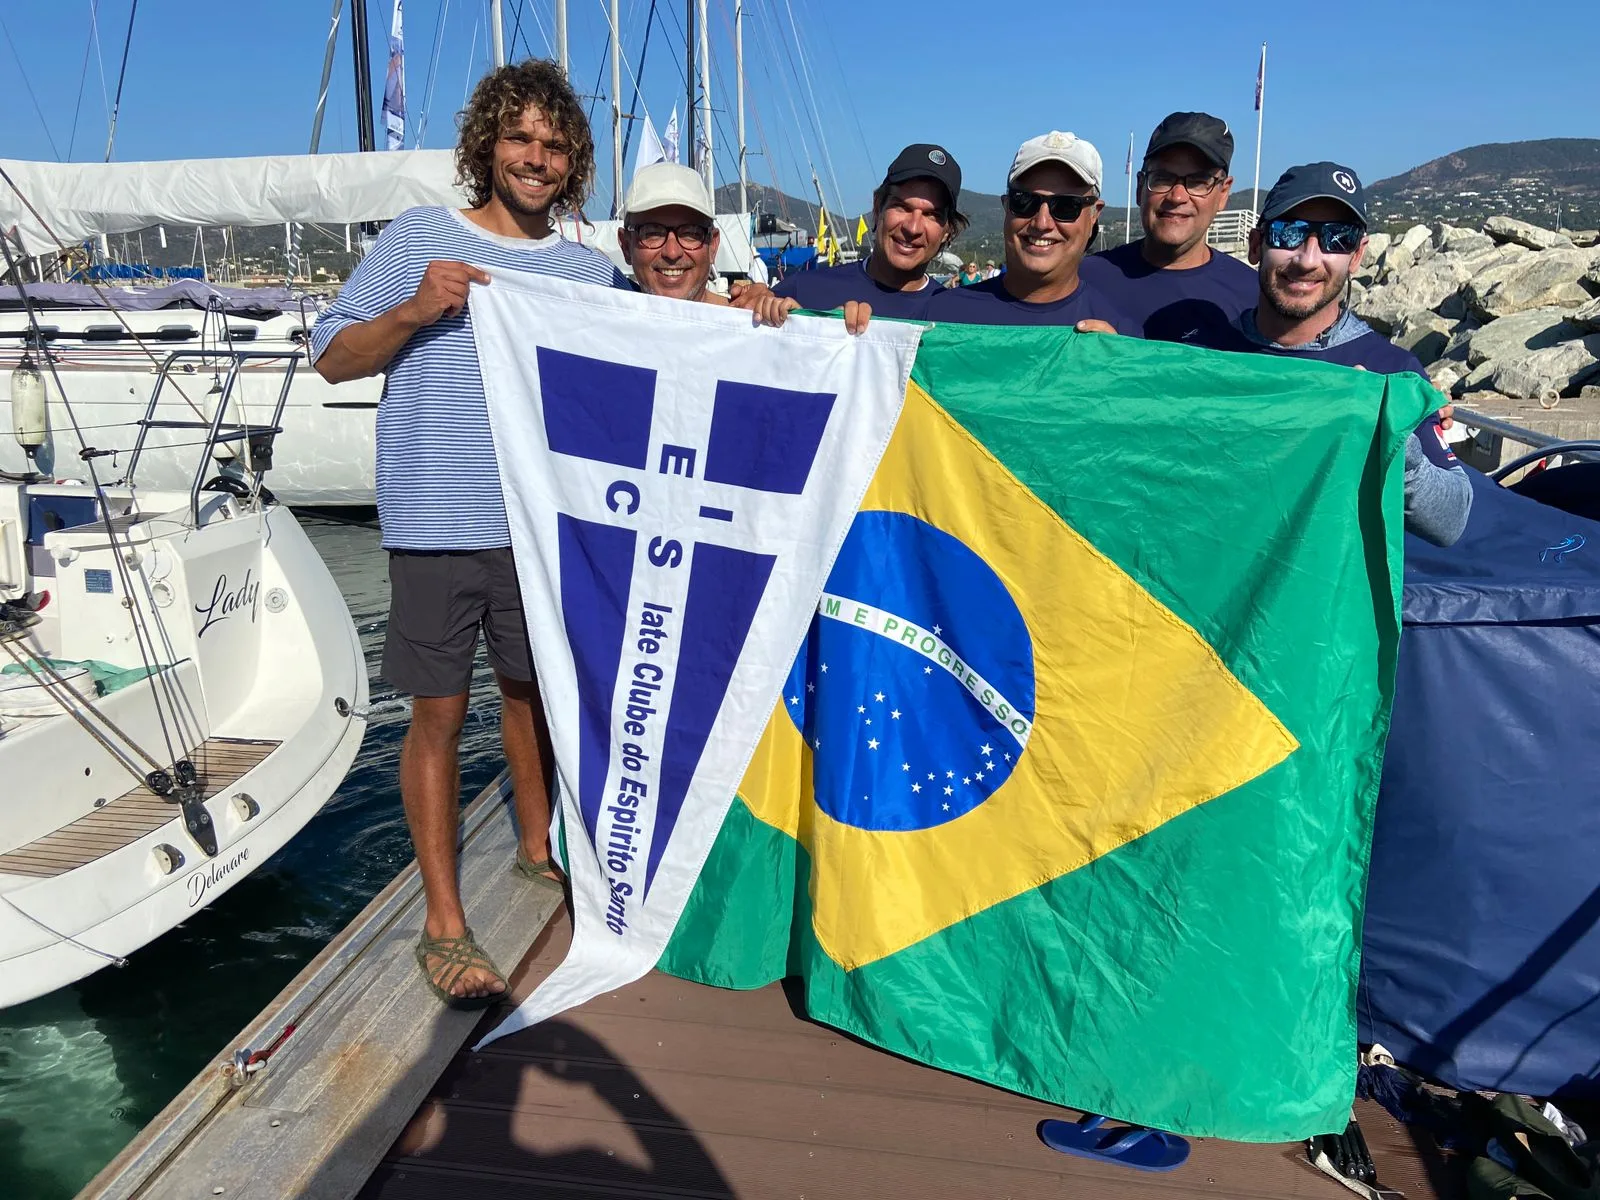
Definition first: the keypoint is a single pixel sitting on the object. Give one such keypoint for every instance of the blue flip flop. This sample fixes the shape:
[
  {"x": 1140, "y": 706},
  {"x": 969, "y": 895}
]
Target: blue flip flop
[{"x": 1124, "y": 1146}]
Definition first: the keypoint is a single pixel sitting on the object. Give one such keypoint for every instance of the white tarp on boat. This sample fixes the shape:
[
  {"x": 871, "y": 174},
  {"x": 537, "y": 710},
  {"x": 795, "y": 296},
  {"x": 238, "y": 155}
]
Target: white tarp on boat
[
  {"x": 80, "y": 201},
  {"x": 674, "y": 515}
]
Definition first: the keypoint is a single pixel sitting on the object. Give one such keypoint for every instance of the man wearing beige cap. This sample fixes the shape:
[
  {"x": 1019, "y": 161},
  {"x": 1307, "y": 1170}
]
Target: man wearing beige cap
[
  {"x": 1052, "y": 207},
  {"x": 669, "y": 237}
]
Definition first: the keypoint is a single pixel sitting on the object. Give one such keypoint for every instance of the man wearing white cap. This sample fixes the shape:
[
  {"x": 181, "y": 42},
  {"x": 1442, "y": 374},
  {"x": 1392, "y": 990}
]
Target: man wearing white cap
[
  {"x": 1052, "y": 205},
  {"x": 669, "y": 237}
]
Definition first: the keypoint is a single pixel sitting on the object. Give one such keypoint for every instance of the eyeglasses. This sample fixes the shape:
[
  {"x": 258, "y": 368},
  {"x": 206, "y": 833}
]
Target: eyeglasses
[
  {"x": 652, "y": 236},
  {"x": 1335, "y": 237},
  {"x": 1200, "y": 184},
  {"x": 1065, "y": 209}
]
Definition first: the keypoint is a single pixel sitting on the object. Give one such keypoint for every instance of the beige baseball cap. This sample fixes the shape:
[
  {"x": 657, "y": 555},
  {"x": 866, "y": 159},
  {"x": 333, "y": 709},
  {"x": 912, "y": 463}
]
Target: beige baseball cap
[
  {"x": 1068, "y": 149},
  {"x": 663, "y": 184}
]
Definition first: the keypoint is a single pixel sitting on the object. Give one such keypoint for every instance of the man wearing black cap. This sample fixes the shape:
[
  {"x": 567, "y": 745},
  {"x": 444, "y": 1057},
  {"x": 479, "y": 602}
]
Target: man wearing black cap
[
  {"x": 1170, "y": 281},
  {"x": 1310, "y": 238},
  {"x": 914, "y": 217}
]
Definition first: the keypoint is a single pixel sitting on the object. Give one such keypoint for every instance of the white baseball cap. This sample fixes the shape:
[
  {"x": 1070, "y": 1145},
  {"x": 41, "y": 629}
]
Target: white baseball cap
[
  {"x": 663, "y": 184},
  {"x": 1066, "y": 148}
]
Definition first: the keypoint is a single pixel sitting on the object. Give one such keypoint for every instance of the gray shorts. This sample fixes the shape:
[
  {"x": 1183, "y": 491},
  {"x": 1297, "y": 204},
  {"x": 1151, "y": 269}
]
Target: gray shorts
[{"x": 437, "y": 603}]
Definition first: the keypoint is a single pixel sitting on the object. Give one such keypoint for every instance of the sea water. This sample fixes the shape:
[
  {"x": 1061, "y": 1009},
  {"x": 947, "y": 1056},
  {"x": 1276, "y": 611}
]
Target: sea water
[{"x": 83, "y": 1069}]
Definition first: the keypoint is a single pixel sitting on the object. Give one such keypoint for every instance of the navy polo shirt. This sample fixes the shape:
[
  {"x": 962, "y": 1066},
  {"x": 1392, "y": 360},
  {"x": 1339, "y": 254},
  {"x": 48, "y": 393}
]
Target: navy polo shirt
[
  {"x": 988, "y": 303},
  {"x": 828, "y": 288},
  {"x": 1188, "y": 305}
]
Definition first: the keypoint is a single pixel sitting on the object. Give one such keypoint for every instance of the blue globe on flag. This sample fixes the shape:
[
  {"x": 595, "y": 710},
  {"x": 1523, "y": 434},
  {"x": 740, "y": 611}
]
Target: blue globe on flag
[{"x": 915, "y": 686}]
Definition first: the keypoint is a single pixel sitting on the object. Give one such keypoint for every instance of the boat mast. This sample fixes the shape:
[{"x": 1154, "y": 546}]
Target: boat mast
[
  {"x": 363, "y": 65},
  {"x": 616, "y": 113},
  {"x": 707, "y": 170},
  {"x": 497, "y": 34},
  {"x": 561, "y": 35},
  {"x": 688, "y": 74},
  {"x": 738, "y": 67},
  {"x": 327, "y": 73}
]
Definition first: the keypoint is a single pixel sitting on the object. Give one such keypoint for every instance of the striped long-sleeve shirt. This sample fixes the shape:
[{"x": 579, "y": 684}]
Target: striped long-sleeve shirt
[{"x": 438, "y": 481}]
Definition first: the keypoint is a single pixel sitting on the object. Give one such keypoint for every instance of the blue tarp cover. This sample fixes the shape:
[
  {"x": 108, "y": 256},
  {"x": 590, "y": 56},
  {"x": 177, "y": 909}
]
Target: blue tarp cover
[{"x": 1481, "y": 952}]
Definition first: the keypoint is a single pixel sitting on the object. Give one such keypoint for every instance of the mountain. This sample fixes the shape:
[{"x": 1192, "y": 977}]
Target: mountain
[{"x": 1527, "y": 180}]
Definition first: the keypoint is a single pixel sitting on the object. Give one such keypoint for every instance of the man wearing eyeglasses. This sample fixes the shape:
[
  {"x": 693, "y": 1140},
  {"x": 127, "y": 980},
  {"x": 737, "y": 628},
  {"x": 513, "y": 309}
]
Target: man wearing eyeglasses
[
  {"x": 1311, "y": 236},
  {"x": 1052, "y": 206},
  {"x": 669, "y": 237},
  {"x": 1170, "y": 281},
  {"x": 914, "y": 217}
]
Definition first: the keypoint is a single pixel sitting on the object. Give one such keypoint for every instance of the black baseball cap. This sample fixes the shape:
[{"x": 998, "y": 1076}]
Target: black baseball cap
[
  {"x": 1205, "y": 133},
  {"x": 1316, "y": 181},
  {"x": 927, "y": 161}
]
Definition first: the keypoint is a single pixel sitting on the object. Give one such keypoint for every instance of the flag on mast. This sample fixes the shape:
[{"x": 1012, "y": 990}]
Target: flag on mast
[
  {"x": 651, "y": 148},
  {"x": 669, "y": 141},
  {"x": 394, "y": 85},
  {"x": 1261, "y": 76}
]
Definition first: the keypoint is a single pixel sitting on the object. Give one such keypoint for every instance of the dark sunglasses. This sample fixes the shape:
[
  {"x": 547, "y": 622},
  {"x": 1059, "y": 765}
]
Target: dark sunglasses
[
  {"x": 1065, "y": 209},
  {"x": 1335, "y": 237},
  {"x": 652, "y": 236}
]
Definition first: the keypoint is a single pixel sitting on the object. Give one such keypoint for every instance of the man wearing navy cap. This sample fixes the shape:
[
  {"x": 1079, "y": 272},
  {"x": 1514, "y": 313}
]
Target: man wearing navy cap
[
  {"x": 1170, "y": 281},
  {"x": 914, "y": 217},
  {"x": 1310, "y": 238}
]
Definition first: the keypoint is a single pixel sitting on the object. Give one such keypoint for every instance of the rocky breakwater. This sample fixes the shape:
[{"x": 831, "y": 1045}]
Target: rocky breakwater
[{"x": 1507, "y": 311}]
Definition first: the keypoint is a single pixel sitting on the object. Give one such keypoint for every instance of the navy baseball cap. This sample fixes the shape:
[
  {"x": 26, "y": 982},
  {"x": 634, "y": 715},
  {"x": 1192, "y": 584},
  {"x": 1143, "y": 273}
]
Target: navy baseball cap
[
  {"x": 927, "y": 161},
  {"x": 1316, "y": 181},
  {"x": 1207, "y": 134}
]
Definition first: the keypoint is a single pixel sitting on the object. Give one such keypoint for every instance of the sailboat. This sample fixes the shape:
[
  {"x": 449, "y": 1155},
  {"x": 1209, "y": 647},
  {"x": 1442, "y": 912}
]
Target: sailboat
[
  {"x": 181, "y": 685},
  {"x": 108, "y": 343}
]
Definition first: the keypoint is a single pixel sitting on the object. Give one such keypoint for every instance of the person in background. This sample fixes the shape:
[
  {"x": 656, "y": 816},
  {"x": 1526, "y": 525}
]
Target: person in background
[
  {"x": 524, "y": 155},
  {"x": 1052, "y": 207},
  {"x": 669, "y": 237},
  {"x": 1170, "y": 281},
  {"x": 969, "y": 275},
  {"x": 914, "y": 217},
  {"x": 990, "y": 270},
  {"x": 1309, "y": 240}
]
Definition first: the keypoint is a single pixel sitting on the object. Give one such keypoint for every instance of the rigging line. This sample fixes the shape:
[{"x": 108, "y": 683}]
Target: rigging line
[
  {"x": 772, "y": 37},
  {"x": 472, "y": 54},
  {"x": 102, "y": 288},
  {"x": 855, "y": 113},
  {"x": 52, "y": 680},
  {"x": 627, "y": 138},
  {"x": 124, "y": 571},
  {"x": 811, "y": 92},
  {"x": 122, "y": 75},
  {"x": 23, "y": 71},
  {"x": 433, "y": 64},
  {"x": 115, "y": 960},
  {"x": 83, "y": 78}
]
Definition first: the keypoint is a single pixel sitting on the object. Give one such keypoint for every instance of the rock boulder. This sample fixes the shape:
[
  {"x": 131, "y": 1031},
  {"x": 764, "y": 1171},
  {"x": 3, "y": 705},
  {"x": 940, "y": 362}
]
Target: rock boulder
[
  {"x": 1514, "y": 337},
  {"x": 1425, "y": 334},
  {"x": 1549, "y": 373},
  {"x": 1533, "y": 281},
  {"x": 1452, "y": 239},
  {"x": 1588, "y": 316},
  {"x": 1421, "y": 288},
  {"x": 1509, "y": 229}
]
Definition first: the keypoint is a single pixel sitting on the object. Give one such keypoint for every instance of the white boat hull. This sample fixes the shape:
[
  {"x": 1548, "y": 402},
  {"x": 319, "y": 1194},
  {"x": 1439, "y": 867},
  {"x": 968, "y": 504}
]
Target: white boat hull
[
  {"x": 325, "y": 455},
  {"x": 265, "y": 656}
]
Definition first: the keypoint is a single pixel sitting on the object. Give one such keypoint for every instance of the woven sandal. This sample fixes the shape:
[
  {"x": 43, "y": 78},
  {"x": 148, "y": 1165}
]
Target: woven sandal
[
  {"x": 538, "y": 872},
  {"x": 455, "y": 956}
]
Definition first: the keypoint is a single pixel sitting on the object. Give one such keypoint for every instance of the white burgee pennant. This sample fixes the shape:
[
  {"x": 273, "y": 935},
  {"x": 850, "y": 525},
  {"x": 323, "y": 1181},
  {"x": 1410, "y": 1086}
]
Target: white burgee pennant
[{"x": 678, "y": 484}]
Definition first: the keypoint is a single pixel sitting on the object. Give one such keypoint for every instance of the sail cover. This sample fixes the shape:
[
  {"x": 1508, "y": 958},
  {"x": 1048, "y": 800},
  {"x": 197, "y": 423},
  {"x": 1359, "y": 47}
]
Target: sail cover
[{"x": 78, "y": 201}]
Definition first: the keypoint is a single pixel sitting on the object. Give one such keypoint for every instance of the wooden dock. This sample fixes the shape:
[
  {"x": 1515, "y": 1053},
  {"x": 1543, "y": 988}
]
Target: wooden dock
[
  {"x": 369, "y": 1040},
  {"x": 660, "y": 1089},
  {"x": 671, "y": 1089}
]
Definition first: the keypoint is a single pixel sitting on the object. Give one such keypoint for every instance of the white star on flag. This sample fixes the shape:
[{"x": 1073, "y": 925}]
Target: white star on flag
[{"x": 872, "y": 743}]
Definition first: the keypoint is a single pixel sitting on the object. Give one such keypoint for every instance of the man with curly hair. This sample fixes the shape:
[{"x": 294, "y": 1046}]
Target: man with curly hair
[{"x": 525, "y": 156}]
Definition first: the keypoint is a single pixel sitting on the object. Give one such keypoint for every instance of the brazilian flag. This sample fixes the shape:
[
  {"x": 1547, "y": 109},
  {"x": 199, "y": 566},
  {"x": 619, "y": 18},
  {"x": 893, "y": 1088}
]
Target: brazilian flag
[{"x": 1071, "y": 786}]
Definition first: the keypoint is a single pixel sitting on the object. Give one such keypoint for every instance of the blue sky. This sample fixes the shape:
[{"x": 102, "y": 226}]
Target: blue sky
[{"x": 1380, "y": 86}]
